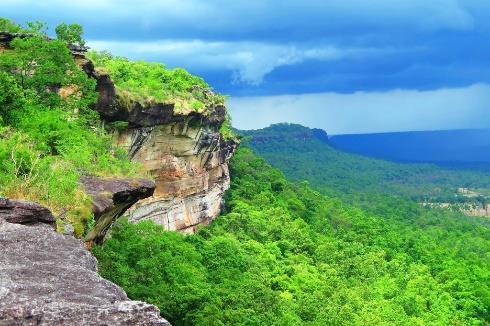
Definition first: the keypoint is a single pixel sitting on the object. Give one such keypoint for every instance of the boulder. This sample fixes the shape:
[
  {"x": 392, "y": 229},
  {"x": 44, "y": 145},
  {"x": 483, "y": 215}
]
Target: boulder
[{"x": 25, "y": 212}]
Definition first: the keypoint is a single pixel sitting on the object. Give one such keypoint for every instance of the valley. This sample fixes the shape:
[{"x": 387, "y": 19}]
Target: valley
[
  {"x": 308, "y": 154},
  {"x": 127, "y": 198}
]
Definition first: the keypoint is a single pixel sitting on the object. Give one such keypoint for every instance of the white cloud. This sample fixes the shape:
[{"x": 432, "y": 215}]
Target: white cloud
[
  {"x": 364, "y": 112},
  {"x": 250, "y": 61}
]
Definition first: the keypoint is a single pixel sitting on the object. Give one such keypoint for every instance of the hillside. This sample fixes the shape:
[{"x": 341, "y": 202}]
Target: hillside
[
  {"x": 456, "y": 148},
  {"x": 136, "y": 164},
  {"x": 283, "y": 254},
  {"x": 307, "y": 154}
]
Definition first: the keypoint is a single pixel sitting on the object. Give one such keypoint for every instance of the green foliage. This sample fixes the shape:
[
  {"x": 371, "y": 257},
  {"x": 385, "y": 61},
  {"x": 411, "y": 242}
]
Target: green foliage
[
  {"x": 37, "y": 28},
  {"x": 7, "y": 25},
  {"x": 226, "y": 129},
  {"x": 89, "y": 150},
  {"x": 139, "y": 81},
  {"x": 41, "y": 67},
  {"x": 118, "y": 125},
  {"x": 70, "y": 33},
  {"x": 11, "y": 97},
  {"x": 51, "y": 136},
  {"x": 283, "y": 254},
  {"x": 302, "y": 155},
  {"x": 25, "y": 173}
]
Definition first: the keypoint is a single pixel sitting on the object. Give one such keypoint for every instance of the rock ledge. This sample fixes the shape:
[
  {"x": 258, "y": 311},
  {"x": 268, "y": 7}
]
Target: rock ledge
[{"x": 48, "y": 278}]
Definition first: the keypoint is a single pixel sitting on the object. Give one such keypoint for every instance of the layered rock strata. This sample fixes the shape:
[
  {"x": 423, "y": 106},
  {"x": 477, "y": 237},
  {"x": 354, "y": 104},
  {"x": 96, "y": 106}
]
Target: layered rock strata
[
  {"x": 47, "y": 278},
  {"x": 184, "y": 152},
  {"x": 189, "y": 163}
]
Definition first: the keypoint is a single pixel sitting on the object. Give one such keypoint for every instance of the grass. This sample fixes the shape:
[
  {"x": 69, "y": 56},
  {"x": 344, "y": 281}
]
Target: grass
[{"x": 149, "y": 82}]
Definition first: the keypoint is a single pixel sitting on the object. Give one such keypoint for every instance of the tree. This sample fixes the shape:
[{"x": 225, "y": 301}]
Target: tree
[
  {"x": 70, "y": 33},
  {"x": 37, "y": 27},
  {"x": 10, "y": 96},
  {"x": 41, "y": 66},
  {"x": 6, "y": 25}
]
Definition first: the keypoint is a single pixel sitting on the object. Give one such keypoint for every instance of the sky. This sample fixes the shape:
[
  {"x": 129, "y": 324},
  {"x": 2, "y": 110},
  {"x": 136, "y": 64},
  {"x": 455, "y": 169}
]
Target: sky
[{"x": 346, "y": 66}]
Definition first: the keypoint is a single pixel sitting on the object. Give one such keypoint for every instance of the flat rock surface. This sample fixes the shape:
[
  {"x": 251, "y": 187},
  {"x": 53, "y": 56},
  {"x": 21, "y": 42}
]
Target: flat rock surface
[{"x": 50, "y": 279}]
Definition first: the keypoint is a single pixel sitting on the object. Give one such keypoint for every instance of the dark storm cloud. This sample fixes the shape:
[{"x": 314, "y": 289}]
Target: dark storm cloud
[
  {"x": 265, "y": 48},
  {"x": 351, "y": 45}
]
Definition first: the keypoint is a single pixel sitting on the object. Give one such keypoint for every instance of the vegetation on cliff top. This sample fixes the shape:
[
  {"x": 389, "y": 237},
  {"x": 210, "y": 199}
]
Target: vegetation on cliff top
[
  {"x": 283, "y": 254},
  {"x": 49, "y": 135},
  {"x": 151, "y": 82}
]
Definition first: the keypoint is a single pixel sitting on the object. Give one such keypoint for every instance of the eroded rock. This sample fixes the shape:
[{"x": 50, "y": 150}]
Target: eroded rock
[
  {"x": 111, "y": 198},
  {"x": 189, "y": 162},
  {"x": 25, "y": 212}
]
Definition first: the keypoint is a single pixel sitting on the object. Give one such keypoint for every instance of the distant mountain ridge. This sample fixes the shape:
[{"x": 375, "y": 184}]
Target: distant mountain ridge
[
  {"x": 447, "y": 147},
  {"x": 307, "y": 154}
]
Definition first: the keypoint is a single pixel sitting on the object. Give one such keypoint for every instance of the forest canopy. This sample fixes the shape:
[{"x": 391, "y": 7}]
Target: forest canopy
[{"x": 283, "y": 254}]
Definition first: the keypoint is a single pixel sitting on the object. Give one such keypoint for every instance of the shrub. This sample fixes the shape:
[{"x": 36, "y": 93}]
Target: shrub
[
  {"x": 143, "y": 82},
  {"x": 7, "y": 25},
  {"x": 51, "y": 135}
]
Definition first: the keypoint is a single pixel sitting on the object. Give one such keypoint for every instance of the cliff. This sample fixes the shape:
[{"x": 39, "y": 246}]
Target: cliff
[
  {"x": 51, "y": 278},
  {"x": 183, "y": 151},
  {"x": 47, "y": 278}
]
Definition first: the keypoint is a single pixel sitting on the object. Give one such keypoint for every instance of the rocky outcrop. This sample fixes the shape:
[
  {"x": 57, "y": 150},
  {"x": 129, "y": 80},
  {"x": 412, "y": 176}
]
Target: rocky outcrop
[
  {"x": 189, "y": 161},
  {"x": 25, "y": 212},
  {"x": 7, "y": 37},
  {"x": 110, "y": 199},
  {"x": 113, "y": 107},
  {"x": 182, "y": 149},
  {"x": 184, "y": 152},
  {"x": 47, "y": 278}
]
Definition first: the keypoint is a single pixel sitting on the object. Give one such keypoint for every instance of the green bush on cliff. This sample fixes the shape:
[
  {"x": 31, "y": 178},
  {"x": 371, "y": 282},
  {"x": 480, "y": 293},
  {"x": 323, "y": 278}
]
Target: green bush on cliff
[
  {"x": 283, "y": 254},
  {"x": 7, "y": 25},
  {"x": 27, "y": 173},
  {"x": 50, "y": 135},
  {"x": 144, "y": 82},
  {"x": 70, "y": 33}
]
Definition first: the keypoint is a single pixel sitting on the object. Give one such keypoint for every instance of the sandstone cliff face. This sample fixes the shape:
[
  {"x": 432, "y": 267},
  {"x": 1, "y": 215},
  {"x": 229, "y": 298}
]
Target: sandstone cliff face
[
  {"x": 189, "y": 162},
  {"x": 184, "y": 152},
  {"x": 47, "y": 278}
]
